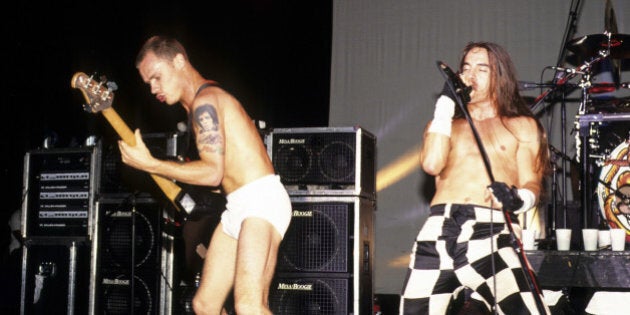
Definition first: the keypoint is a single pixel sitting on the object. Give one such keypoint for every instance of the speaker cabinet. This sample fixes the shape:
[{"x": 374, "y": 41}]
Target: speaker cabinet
[
  {"x": 126, "y": 257},
  {"x": 324, "y": 161},
  {"x": 53, "y": 278},
  {"x": 325, "y": 260}
]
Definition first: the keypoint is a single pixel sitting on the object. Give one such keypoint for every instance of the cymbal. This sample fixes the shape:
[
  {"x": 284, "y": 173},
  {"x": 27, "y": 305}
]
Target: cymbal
[{"x": 590, "y": 45}]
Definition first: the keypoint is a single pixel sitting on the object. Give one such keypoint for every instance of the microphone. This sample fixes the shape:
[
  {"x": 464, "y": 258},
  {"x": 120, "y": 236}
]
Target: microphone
[
  {"x": 567, "y": 70},
  {"x": 460, "y": 88},
  {"x": 523, "y": 85},
  {"x": 527, "y": 85}
]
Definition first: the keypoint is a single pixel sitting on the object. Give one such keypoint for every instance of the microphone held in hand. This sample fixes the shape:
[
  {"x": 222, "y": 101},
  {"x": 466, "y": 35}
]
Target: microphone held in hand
[{"x": 458, "y": 85}]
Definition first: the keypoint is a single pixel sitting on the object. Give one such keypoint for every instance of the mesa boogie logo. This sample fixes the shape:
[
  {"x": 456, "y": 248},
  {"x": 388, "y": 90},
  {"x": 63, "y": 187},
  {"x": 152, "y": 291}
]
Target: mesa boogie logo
[
  {"x": 116, "y": 281},
  {"x": 292, "y": 141},
  {"x": 295, "y": 286},
  {"x": 303, "y": 213}
]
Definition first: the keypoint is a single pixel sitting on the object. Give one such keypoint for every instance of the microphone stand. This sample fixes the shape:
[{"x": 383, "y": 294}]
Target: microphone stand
[
  {"x": 516, "y": 244},
  {"x": 561, "y": 79}
]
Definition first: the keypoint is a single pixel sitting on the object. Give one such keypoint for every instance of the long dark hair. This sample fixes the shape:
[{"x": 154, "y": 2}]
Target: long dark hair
[
  {"x": 510, "y": 103},
  {"x": 503, "y": 80}
]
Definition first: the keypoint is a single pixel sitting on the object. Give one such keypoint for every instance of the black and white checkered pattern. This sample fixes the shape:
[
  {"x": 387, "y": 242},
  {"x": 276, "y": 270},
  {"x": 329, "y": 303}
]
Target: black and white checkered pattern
[{"x": 460, "y": 246}]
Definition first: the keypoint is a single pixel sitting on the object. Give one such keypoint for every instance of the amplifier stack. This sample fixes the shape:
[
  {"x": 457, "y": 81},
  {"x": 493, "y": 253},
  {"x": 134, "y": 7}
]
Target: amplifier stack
[
  {"x": 325, "y": 261},
  {"x": 59, "y": 187},
  {"x": 94, "y": 237},
  {"x": 97, "y": 242}
]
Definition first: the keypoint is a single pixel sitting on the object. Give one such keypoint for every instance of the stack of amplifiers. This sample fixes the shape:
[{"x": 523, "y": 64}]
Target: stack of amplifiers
[
  {"x": 326, "y": 257},
  {"x": 59, "y": 186},
  {"x": 324, "y": 161},
  {"x": 158, "y": 263},
  {"x": 325, "y": 261},
  {"x": 126, "y": 264}
]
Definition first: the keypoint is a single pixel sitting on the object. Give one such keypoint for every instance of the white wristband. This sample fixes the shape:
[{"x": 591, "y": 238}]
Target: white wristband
[
  {"x": 529, "y": 200},
  {"x": 443, "y": 116}
]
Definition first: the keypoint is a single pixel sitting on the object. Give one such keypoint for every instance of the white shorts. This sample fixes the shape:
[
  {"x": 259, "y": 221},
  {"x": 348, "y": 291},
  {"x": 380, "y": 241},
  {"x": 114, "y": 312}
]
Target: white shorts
[{"x": 264, "y": 198}]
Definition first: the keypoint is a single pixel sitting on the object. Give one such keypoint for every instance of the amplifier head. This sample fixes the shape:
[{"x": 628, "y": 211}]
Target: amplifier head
[{"x": 59, "y": 186}]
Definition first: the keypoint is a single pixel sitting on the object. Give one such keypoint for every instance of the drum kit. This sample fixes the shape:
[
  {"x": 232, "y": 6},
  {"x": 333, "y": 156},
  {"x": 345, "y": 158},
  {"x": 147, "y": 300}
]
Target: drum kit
[{"x": 603, "y": 125}]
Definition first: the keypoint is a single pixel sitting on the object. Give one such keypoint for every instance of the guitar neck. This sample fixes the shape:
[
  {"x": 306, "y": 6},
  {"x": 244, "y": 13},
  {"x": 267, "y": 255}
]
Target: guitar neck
[
  {"x": 168, "y": 187},
  {"x": 120, "y": 126}
]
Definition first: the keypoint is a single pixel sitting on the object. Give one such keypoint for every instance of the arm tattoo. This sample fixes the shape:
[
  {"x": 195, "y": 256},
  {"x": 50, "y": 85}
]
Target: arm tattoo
[{"x": 207, "y": 126}]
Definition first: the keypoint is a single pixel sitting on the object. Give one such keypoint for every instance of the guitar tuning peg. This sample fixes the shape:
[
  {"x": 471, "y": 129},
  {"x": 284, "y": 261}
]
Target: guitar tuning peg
[{"x": 112, "y": 86}]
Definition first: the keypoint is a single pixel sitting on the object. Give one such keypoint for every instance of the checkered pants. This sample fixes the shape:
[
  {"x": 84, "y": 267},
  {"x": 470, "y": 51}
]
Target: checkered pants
[{"x": 465, "y": 246}]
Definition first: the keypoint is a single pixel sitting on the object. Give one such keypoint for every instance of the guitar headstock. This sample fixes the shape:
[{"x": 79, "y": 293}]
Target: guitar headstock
[{"x": 98, "y": 96}]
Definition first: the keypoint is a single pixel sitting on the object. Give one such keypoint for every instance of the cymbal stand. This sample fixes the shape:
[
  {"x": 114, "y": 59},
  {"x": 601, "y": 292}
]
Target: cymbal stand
[
  {"x": 554, "y": 191},
  {"x": 582, "y": 137},
  {"x": 574, "y": 12},
  {"x": 555, "y": 155},
  {"x": 562, "y": 83}
]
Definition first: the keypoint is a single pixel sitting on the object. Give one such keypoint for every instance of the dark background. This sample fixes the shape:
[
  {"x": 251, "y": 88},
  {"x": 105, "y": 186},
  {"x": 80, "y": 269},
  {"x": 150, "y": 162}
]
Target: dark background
[{"x": 273, "y": 55}]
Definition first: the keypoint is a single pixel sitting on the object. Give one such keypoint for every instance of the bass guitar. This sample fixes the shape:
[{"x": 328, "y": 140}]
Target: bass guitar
[{"x": 99, "y": 98}]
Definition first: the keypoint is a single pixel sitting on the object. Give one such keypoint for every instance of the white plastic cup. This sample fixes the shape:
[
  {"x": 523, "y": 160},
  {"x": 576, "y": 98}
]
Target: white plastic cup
[
  {"x": 563, "y": 239},
  {"x": 589, "y": 236},
  {"x": 618, "y": 239},
  {"x": 603, "y": 238},
  {"x": 528, "y": 239}
]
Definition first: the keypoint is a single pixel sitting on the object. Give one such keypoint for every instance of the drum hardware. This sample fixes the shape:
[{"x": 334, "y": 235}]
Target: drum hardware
[
  {"x": 600, "y": 88},
  {"x": 578, "y": 139},
  {"x": 594, "y": 136},
  {"x": 617, "y": 44},
  {"x": 610, "y": 105},
  {"x": 588, "y": 139},
  {"x": 585, "y": 81}
]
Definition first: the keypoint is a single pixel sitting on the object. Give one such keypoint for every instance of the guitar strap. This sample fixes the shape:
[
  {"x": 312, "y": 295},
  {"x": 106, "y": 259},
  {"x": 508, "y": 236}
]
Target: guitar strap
[{"x": 206, "y": 84}]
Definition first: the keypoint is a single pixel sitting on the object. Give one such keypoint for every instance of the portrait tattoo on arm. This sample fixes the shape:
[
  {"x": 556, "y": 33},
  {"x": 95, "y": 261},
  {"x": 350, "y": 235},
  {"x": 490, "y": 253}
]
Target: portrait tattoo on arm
[{"x": 207, "y": 125}]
